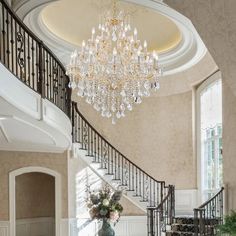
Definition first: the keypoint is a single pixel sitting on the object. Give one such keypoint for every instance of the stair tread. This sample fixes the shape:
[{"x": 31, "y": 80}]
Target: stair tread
[
  {"x": 179, "y": 232},
  {"x": 181, "y": 224}
]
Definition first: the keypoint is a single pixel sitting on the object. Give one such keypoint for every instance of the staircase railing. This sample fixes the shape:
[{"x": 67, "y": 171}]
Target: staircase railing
[
  {"x": 132, "y": 177},
  {"x": 162, "y": 215},
  {"x": 209, "y": 215},
  {"x": 26, "y": 56}
]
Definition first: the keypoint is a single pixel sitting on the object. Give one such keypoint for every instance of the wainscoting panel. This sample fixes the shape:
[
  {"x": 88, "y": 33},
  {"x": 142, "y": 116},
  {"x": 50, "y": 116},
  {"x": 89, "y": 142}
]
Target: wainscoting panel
[
  {"x": 39, "y": 227},
  {"x": 185, "y": 201},
  {"x": 132, "y": 226},
  {"x": 127, "y": 226},
  {"x": 44, "y": 226},
  {"x": 4, "y": 228}
]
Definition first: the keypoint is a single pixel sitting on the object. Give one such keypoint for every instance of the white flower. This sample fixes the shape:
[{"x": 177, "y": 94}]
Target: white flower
[{"x": 105, "y": 202}]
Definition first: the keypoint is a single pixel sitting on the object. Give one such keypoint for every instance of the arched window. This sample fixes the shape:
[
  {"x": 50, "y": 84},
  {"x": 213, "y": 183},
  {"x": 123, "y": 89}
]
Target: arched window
[{"x": 210, "y": 138}]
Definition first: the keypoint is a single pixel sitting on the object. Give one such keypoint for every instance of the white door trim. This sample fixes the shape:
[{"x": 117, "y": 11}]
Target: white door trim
[{"x": 12, "y": 195}]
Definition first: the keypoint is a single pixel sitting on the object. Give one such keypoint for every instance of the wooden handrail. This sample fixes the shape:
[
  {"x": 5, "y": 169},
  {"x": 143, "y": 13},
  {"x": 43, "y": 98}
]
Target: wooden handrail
[
  {"x": 209, "y": 213},
  {"x": 81, "y": 115},
  {"x": 210, "y": 200},
  {"x": 170, "y": 189}
]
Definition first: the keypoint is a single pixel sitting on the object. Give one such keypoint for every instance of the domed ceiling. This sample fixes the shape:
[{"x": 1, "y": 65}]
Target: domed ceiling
[
  {"x": 72, "y": 20},
  {"x": 64, "y": 24}
]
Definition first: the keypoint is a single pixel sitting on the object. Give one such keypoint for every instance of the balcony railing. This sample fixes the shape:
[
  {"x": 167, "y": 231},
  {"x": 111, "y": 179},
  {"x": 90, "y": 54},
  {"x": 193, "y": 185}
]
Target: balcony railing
[{"x": 27, "y": 57}]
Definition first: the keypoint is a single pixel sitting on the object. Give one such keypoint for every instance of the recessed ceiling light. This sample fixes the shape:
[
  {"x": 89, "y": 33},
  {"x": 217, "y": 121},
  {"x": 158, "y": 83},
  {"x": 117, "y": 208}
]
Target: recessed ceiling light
[{"x": 3, "y": 118}]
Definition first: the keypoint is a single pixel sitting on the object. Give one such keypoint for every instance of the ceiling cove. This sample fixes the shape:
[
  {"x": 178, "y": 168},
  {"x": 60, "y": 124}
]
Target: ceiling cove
[{"x": 165, "y": 29}]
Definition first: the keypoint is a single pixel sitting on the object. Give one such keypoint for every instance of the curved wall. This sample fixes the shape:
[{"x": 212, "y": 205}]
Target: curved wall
[
  {"x": 156, "y": 135},
  {"x": 41, "y": 125},
  {"x": 216, "y": 22}
]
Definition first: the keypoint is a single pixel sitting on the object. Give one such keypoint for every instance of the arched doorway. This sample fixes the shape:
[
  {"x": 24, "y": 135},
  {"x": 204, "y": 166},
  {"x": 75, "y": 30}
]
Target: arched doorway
[{"x": 12, "y": 195}]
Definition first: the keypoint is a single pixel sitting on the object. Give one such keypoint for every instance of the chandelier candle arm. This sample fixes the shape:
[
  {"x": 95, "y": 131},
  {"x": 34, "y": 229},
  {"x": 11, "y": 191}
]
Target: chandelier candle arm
[{"x": 113, "y": 70}]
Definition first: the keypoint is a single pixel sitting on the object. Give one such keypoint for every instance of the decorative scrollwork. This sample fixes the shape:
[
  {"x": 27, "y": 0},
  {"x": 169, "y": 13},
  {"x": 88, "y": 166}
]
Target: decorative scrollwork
[
  {"x": 105, "y": 153},
  {"x": 163, "y": 221},
  {"x": 146, "y": 189},
  {"x": 213, "y": 209},
  {"x": 85, "y": 135},
  {"x": 55, "y": 79},
  {"x": 20, "y": 44},
  {"x": 126, "y": 173}
]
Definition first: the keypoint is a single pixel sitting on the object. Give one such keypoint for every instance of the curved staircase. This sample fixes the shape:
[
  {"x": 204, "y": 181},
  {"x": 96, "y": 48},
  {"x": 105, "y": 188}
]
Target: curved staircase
[
  {"x": 25, "y": 56},
  {"x": 112, "y": 166}
]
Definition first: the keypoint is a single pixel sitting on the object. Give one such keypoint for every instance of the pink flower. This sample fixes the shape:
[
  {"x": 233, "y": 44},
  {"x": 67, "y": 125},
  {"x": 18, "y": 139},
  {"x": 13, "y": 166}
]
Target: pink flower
[{"x": 114, "y": 216}]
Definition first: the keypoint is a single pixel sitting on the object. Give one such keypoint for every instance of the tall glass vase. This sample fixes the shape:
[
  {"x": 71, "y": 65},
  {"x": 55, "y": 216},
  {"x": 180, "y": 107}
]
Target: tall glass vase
[{"x": 106, "y": 229}]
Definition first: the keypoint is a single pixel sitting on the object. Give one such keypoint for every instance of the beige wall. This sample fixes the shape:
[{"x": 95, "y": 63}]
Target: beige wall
[
  {"x": 10, "y": 161},
  {"x": 156, "y": 135},
  {"x": 229, "y": 143},
  {"x": 215, "y": 20},
  {"x": 35, "y": 195}
]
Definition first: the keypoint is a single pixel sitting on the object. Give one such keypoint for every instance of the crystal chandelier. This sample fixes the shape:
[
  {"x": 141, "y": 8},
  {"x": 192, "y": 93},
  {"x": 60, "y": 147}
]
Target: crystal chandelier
[{"x": 113, "y": 70}]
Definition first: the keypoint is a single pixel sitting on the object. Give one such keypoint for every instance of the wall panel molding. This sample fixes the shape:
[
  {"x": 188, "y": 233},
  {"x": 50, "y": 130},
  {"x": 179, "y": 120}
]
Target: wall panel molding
[
  {"x": 4, "y": 228},
  {"x": 20, "y": 105},
  {"x": 43, "y": 226},
  {"x": 12, "y": 196},
  {"x": 185, "y": 201},
  {"x": 127, "y": 226}
]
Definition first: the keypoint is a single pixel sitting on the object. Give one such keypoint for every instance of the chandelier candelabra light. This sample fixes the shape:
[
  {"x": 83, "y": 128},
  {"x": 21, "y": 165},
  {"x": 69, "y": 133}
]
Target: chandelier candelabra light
[{"x": 113, "y": 70}]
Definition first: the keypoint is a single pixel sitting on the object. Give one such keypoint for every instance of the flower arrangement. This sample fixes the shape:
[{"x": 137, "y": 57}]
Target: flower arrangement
[{"x": 104, "y": 205}]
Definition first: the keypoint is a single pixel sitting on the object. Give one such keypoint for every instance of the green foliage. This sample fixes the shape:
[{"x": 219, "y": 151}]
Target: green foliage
[{"x": 229, "y": 227}]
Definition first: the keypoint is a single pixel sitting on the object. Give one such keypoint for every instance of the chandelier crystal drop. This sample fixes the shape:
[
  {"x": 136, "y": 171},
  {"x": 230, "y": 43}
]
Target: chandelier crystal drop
[{"x": 113, "y": 70}]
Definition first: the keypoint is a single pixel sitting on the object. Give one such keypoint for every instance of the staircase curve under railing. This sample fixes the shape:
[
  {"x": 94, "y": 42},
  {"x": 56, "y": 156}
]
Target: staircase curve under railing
[{"x": 33, "y": 63}]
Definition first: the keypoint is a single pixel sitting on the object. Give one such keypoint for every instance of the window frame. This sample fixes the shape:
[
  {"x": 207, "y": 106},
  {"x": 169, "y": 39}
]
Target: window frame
[{"x": 200, "y": 180}]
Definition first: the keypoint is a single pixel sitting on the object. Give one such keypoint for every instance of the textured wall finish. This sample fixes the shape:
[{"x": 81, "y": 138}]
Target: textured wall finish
[
  {"x": 215, "y": 21},
  {"x": 229, "y": 139},
  {"x": 10, "y": 161},
  {"x": 35, "y": 195},
  {"x": 156, "y": 135}
]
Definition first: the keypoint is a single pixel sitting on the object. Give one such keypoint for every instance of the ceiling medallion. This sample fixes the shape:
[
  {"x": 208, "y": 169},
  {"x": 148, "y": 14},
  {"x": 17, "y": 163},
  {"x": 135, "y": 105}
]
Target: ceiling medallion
[{"x": 113, "y": 70}]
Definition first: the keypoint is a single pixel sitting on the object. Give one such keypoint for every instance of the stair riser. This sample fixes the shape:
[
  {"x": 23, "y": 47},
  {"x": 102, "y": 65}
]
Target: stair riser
[{"x": 102, "y": 173}]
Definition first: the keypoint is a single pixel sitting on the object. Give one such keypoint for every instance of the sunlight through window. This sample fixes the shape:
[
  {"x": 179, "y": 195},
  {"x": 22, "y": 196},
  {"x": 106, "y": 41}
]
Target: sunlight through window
[
  {"x": 211, "y": 139},
  {"x": 84, "y": 179}
]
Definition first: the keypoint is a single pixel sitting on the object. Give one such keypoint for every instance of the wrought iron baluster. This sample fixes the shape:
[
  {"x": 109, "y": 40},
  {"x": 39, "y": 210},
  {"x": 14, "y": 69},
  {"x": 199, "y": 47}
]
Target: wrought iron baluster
[
  {"x": 112, "y": 158},
  {"x": 7, "y": 41},
  {"x": 1, "y": 32},
  {"x": 136, "y": 181},
  {"x": 95, "y": 147},
  {"x": 12, "y": 46},
  {"x": 109, "y": 161},
  {"x": 4, "y": 36}
]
